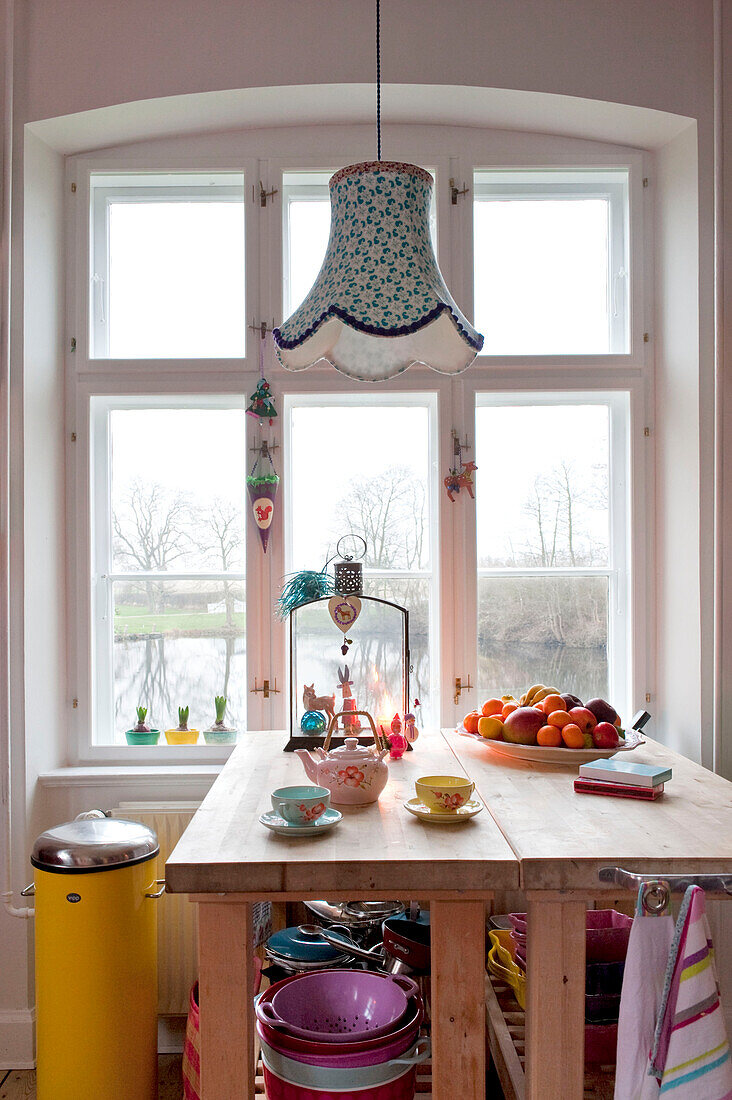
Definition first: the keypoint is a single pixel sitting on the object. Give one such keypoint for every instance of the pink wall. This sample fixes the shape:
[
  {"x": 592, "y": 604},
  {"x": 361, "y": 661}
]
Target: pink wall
[{"x": 86, "y": 53}]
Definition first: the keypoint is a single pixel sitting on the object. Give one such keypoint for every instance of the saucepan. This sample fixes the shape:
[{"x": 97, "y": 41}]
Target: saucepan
[
  {"x": 405, "y": 946},
  {"x": 362, "y": 918}
]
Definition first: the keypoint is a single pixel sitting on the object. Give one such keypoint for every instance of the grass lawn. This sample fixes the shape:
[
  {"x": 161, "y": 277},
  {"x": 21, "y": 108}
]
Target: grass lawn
[{"x": 140, "y": 620}]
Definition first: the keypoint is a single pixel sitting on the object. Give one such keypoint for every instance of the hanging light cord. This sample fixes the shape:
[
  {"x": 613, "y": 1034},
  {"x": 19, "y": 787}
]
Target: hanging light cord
[{"x": 378, "y": 79}]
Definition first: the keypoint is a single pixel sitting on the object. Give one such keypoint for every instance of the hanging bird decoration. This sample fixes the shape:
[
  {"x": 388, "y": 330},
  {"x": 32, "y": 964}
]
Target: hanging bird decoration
[{"x": 302, "y": 587}]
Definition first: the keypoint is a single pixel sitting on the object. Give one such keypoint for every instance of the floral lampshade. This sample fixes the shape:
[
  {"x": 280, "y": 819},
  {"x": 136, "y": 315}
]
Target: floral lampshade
[{"x": 379, "y": 303}]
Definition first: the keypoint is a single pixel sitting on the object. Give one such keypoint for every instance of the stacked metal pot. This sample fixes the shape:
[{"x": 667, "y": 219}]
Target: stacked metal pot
[{"x": 337, "y": 1034}]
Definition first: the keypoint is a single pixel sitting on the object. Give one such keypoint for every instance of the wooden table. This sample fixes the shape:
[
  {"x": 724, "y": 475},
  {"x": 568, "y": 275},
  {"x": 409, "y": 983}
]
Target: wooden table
[
  {"x": 561, "y": 840},
  {"x": 226, "y": 859}
]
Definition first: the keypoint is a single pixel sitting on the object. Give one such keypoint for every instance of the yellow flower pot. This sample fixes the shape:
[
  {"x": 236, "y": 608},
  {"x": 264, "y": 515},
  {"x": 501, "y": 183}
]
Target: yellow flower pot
[{"x": 181, "y": 737}]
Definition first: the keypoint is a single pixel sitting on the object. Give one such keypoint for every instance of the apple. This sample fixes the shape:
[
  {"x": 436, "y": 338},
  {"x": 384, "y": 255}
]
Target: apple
[
  {"x": 491, "y": 727},
  {"x": 602, "y": 710},
  {"x": 583, "y": 717},
  {"x": 571, "y": 701},
  {"x": 522, "y": 725},
  {"x": 605, "y": 736}
]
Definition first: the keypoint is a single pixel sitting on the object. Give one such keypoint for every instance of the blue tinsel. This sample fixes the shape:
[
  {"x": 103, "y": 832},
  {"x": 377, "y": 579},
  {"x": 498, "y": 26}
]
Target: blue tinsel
[{"x": 302, "y": 587}]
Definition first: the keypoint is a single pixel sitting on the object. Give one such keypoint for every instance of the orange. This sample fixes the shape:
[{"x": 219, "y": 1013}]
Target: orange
[
  {"x": 554, "y": 702},
  {"x": 490, "y": 727},
  {"x": 508, "y": 707},
  {"x": 470, "y": 721},
  {"x": 492, "y": 706},
  {"x": 573, "y": 736},
  {"x": 549, "y": 736},
  {"x": 559, "y": 718}
]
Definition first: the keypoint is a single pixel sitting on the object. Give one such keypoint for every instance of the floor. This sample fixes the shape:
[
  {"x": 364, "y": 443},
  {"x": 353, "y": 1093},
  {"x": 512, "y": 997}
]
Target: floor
[{"x": 20, "y": 1084}]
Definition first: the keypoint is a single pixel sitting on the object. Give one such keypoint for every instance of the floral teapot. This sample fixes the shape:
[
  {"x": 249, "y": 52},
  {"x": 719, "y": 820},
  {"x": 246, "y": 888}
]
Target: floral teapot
[{"x": 354, "y": 774}]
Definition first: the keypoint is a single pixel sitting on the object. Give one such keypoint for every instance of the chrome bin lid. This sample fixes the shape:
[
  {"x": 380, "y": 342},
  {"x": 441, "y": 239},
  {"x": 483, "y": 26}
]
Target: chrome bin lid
[{"x": 99, "y": 844}]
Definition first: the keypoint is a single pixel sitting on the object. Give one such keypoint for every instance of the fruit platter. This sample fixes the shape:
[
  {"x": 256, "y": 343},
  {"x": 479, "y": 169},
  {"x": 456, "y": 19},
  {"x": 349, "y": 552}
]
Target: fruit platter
[{"x": 547, "y": 726}]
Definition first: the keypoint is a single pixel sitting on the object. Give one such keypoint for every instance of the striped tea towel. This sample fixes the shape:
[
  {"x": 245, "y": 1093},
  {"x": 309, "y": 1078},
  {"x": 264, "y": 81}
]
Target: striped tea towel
[{"x": 691, "y": 1056}]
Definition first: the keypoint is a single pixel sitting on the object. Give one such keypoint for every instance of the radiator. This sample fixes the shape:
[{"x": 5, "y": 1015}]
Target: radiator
[{"x": 177, "y": 918}]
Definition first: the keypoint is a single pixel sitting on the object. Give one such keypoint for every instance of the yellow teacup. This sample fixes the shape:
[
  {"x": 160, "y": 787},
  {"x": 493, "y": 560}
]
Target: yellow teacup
[{"x": 444, "y": 794}]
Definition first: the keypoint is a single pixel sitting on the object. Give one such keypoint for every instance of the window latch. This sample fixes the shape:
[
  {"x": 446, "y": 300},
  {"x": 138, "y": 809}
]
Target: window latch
[
  {"x": 264, "y": 194},
  {"x": 460, "y": 687},
  {"x": 266, "y": 688},
  {"x": 457, "y": 192}
]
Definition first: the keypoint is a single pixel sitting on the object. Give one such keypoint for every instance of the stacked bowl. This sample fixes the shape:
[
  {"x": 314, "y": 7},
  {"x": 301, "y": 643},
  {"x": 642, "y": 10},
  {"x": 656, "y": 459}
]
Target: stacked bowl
[
  {"x": 336, "y": 1034},
  {"x": 606, "y": 946}
]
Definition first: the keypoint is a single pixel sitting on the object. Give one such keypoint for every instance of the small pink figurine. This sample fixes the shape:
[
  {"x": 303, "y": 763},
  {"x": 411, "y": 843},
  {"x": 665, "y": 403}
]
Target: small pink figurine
[
  {"x": 397, "y": 744},
  {"x": 396, "y": 724}
]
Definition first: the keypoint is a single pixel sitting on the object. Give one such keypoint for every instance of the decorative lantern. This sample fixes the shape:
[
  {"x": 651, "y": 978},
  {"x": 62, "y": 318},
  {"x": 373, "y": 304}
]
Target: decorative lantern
[
  {"x": 376, "y": 678},
  {"x": 348, "y": 572}
]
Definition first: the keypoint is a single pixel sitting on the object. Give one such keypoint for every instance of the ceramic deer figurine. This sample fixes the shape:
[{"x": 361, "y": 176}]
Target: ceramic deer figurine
[{"x": 311, "y": 701}]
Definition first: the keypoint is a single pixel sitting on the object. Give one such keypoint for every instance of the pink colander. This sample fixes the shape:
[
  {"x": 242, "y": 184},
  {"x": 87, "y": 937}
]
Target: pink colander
[{"x": 339, "y": 1006}]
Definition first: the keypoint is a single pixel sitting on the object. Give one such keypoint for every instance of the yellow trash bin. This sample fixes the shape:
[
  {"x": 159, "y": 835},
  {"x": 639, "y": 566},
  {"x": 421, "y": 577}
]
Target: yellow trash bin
[{"x": 96, "y": 961}]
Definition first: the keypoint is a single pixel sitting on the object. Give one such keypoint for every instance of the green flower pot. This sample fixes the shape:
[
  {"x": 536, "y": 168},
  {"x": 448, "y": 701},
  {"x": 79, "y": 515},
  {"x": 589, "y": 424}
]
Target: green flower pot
[
  {"x": 149, "y": 737},
  {"x": 220, "y": 737}
]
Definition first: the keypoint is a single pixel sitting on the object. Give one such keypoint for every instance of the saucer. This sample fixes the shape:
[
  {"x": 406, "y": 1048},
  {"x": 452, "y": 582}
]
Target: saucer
[
  {"x": 277, "y": 824},
  {"x": 417, "y": 807}
]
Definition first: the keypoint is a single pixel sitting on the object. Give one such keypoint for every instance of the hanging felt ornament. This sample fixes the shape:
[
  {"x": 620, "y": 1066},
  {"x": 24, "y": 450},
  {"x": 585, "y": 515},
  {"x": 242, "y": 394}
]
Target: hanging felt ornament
[
  {"x": 262, "y": 485},
  {"x": 261, "y": 405},
  {"x": 344, "y": 610}
]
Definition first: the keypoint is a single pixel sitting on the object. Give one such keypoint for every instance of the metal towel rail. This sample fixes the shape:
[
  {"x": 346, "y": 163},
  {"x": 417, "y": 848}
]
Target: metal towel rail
[{"x": 658, "y": 888}]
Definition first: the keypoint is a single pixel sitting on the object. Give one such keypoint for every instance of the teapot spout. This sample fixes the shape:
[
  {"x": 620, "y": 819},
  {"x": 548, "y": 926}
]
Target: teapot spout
[{"x": 308, "y": 763}]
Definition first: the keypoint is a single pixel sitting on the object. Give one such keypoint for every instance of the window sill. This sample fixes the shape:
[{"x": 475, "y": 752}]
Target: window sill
[{"x": 115, "y": 775}]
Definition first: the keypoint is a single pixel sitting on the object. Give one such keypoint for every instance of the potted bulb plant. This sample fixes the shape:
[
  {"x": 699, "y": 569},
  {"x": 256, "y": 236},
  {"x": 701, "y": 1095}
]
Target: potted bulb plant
[
  {"x": 181, "y": 735},
  {"x": 218, "y": 733},
  {"x": 141, "y": 734}
]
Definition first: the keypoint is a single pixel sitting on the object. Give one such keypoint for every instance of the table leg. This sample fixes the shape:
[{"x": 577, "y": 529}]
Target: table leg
[
  {"x": 555, "y": 987},
  {"x": 225, "y": 990},
  {"x": 458, "y": 999}
]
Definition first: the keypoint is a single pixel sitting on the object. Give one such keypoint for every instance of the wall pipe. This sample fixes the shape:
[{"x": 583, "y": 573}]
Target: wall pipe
[
  {"x": 718, "y": 575},
  {"x": 5, "y": 263}
]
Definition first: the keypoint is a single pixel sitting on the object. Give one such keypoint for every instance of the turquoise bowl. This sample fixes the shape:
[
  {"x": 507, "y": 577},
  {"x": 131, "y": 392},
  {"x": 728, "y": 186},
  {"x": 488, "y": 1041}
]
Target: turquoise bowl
[{"x": 219, "y": 737}]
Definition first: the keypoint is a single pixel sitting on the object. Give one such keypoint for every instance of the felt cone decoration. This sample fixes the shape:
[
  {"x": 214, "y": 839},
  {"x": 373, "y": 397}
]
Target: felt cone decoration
[{"x": 262, "y": 485}]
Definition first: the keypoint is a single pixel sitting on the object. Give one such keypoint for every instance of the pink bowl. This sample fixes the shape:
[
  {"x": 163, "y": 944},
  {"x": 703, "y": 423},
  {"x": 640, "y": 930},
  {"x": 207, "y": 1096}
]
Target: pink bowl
[
  {"x": 401, "y": 1089},
  {"x": 608, "y": 933},
  {"x": 335, "y": 1059}
]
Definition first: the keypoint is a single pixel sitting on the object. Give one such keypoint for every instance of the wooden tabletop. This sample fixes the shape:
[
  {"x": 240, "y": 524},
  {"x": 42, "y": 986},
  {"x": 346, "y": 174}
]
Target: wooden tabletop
[
  {"x": 379, "y": 847},
  {"x": 562, "y": 839}
]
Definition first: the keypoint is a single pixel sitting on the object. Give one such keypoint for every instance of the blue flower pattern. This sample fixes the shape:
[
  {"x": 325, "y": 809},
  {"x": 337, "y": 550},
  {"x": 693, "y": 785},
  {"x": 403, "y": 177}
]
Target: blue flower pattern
[{"x": 380, "y": 274}]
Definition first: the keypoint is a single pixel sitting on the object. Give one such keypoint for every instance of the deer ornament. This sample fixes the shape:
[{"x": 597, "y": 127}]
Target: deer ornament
[{"x": 311, "y": 701}]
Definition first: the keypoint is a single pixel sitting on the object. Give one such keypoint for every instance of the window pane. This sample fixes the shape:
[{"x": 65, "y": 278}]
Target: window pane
[
  {"x": 309, "y": 227},
  {"x": 366, "y": 469},
  {"x": 361, "y": 469},
  {"x": 549, "y": 630},
  {"x": 543, "y": 498},
  {"x": 178, "y": 643},
  {"x": 550, "y": 261},
  {"x": 168, "y": 274},
  {"x": 178, "y": 489}
]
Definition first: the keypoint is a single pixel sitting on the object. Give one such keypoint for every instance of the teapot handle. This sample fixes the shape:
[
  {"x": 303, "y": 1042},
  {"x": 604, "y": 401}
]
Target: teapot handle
[{"x": 334, "y": 725}]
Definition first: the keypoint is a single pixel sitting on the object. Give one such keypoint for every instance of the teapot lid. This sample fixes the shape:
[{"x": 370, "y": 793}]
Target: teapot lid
[{"x": 352, "y": 750}]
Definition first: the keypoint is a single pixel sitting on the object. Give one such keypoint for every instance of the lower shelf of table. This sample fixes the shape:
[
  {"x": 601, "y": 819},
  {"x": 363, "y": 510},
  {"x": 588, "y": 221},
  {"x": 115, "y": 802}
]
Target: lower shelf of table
[{"x": 506, "y": 1023}]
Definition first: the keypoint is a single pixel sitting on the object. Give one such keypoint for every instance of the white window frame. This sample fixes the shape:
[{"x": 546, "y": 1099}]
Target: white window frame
[
  {"x": 264, "y": 155},
  {"x": 371, "y": 398},
  {"x": 108, "y": 188},
  {"x": 618, "y": 569},
  {"x": 103, "y": 575},
  {"x": 611, "y": 185}
]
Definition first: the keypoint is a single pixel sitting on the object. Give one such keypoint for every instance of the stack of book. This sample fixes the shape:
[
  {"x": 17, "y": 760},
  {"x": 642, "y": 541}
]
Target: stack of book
[{"x": 622, "y": 779}]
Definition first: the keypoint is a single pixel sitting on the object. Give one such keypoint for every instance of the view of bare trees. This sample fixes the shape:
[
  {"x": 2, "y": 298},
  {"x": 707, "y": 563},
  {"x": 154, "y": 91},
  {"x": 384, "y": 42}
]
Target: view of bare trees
[{"x": 179, "y": 636}]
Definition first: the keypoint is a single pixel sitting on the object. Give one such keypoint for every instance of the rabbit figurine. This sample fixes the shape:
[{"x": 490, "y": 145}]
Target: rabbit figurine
[{"x": 350, "y": 722}]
